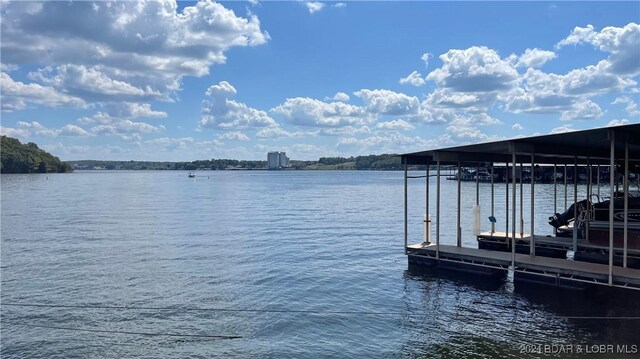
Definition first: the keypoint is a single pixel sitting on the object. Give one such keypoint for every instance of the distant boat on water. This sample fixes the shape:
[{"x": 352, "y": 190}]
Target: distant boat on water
[{"x": 192, "y": 174}]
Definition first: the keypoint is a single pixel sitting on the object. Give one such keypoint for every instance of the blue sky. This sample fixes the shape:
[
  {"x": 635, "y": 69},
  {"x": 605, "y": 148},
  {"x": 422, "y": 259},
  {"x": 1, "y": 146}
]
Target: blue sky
[{"x": 198, "y": 80}]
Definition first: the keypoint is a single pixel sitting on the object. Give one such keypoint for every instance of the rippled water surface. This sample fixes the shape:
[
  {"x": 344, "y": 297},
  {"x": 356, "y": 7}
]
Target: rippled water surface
[{"x": 289, "y": 264}]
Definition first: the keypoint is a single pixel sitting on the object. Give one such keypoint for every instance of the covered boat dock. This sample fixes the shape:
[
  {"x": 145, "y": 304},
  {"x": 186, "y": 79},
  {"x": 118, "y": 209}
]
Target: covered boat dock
[{"x": 555, "y": 260}]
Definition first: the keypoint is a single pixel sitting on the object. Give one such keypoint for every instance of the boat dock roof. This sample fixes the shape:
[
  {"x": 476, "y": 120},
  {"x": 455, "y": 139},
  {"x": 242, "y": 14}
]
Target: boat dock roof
[{"x": 591, "y": 146}]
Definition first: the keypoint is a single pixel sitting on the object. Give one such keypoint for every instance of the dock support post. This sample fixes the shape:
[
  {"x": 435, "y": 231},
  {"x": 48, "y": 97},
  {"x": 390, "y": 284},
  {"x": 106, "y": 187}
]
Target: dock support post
[
  {"x": 522, "y": 201},
  {"x": 612, "y": 170},
  {"x": 493, "y": 224},
  {"x": 555, "y": 195},
  {"x": 426, "y": 206},
  {"x": 458, "y": 226},
  {"x": 532, "y": 245},
  {"x": 478, "y": 185},
  {"x": 406, "y": 210},
  {"x": 565, "y": 187},
  {"x": 513, "y": 210},
  {"x": 598, "y": 180},
  {"x": 506, "y": 201},
  {"x": 438, "y": 210},
  {"x": 588, "y": 217},
  {"x": 575, "y": 200},
  {"x": 625, "y": 228}
]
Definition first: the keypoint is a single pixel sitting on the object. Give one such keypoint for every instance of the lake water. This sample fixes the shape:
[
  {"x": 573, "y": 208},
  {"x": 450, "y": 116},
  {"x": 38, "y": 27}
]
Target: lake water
[{"x": 291, "y": 264}]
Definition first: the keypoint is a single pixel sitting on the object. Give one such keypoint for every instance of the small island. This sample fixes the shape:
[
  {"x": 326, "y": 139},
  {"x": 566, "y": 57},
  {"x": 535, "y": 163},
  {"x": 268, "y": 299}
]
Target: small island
[{"x": 28, "y": 158}]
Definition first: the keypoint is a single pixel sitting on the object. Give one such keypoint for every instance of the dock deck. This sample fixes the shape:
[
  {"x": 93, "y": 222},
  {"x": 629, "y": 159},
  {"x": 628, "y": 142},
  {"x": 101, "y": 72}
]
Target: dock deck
[{"x": 560, "y": 269}]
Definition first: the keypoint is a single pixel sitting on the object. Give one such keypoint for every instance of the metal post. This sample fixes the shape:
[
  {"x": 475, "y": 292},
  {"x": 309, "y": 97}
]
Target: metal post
[
  {"x": 438, "y": 210},
  {"x": 612, "y": 169},
  {"x": 588, "y": 217},
  {"x": 598, "y": 180},
  {"x": 532, "y": 245},
  {"x": 406, "y": 210},
  {"x": 565, "y": 187},
  {"x": 426, "y": 206},
  {"x": 458, "y": 226},
  {"x": 478, "y": 185},
  {"x": 513, "y": 209},
  {"x": 521, "y": 203},
  {"x": 625, "y": 228},
  {"x": 555, "y": 195},
  {"x": 575, "y": 200},
  {"x": 493, "y": 224},
  {"x": 506, "y": 201}
]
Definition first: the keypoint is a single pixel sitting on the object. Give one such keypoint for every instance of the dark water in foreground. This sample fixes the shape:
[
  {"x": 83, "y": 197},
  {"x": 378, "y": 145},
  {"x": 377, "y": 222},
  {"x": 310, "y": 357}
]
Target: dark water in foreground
[{"x": 295, "y": 264}]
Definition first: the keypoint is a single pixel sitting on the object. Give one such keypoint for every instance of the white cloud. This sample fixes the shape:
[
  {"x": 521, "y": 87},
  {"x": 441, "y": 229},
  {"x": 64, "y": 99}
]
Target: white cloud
[
  {"x": 392, "y": 142},
  {"x": 621, "y": 42},
  {"x": 476, "y": 69},
  {"x": 120, "y": 127},
  {"x": 414, "y": 78},
  {"x": 340, "y": 97},
  {"x": 18, "y": 133},
  {"x": 234, "y": 135},
  {"x": 304, "y": 111},
  {"x": 342, "y": 131},
  {"x": 35, "y": 128},
  {"x": 129, "y": 110},
  {"x": 387, "y": 102},
  {"x": 129, "y": 49},
  {"x": 306, "y": 148},
  {"x": 277, "y": 132},
  {"x": 425, "y": 57},
  {"x": 17, "y": 95},
  {"x": 222, "y": 112},
  {"x": 464, "y": 126},
  {"x": 73, "y": 130},
  {"x": 535, "y": 58},
  {"x": 171, "y": 143},
  {"x": 562, "y": 129},
  {"x": 517, "y": 126},
  {"x": 618, "y": 122},
  {"x": 632, "y": 106},
  {"x": 8, "y": 67},
  {"x": 314, "y": 6},
  {"x": 583, "y": 110},
  {"x": 395, "y": 125},
  {"x": 339, "y": 5}
]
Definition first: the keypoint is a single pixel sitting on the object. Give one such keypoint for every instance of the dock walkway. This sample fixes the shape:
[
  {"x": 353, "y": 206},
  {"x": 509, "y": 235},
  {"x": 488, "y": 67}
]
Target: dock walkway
[{"x": 560, "y": 269}]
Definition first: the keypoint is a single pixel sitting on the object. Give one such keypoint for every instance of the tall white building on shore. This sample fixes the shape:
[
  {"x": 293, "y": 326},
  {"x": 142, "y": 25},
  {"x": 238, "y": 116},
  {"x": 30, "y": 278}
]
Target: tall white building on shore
[{"x": 277, "y": 160}]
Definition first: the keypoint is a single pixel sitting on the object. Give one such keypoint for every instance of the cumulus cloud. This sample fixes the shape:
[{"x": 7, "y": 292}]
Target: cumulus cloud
[
  {"x": 583, "y": 110},
  {"x": 35, "y": 128},
  {"x": 277, "y": 132},
  {"x": 120, "y": 127},
  {"x": 562, "y": 129},
  {"x": 517, "y": 126},
  {"x": 314, "y": 6},
  {"x": 632, "y": 106},
  {"x": 340, "y": 97},
  {"x": 414, "y": 78},
  {"x": 395, "y": 125},
  {"x": 133, "y": 50},
  {"x": 304, "y": 111},
  {"x": 618, "y": 122},
  {"x": 392, "y": 142},
  {"x": 621, "y": 42},
  {"x": 387, "y": 102},
  {"x": 535, "y": 58},
  {"x": 234, "y": 135},
  {"x": 476, "y": 69},
  {"x": 220, "y": 111},
  {"x": 17, "y": 95},
  {"x": 339, "y": 5},
  {"x": 425, "y": 57}
]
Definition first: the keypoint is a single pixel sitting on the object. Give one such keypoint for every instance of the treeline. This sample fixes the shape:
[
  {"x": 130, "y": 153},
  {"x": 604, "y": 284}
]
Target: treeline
[
  {"x": 371, "y": 162},
  {"x": 28, "y": 158},
  {"x": 212, "y": 164}
]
